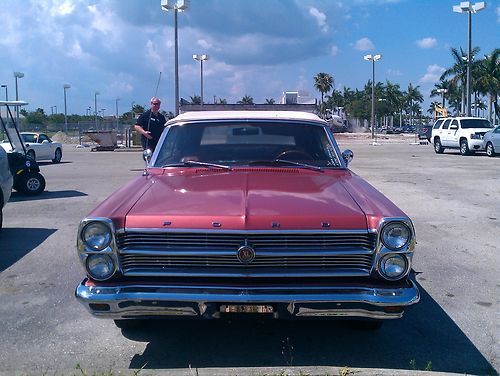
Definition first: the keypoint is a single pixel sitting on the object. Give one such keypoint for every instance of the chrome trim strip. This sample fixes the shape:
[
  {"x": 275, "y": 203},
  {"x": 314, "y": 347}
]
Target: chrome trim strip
[
  {"x": 242, "y": 232},
  {"x": 156, "y": 300}
]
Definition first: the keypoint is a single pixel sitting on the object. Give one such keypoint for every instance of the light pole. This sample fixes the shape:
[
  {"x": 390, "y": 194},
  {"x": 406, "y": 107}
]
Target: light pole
[
  {"x": 442, "y": 92},
  {"x": 116, "y": 103},
  {"x": 373, "y": 59},
  {"x": 176, "y": 6},
  {"x": 65, "y": 87},
  {"x": 467, "y": 7},
  {"x": 201, "y": 59},
  {"x": 6, "y": 92},
  {"x": 16, "y": 76},
  {"x": 95, "y": 107}
]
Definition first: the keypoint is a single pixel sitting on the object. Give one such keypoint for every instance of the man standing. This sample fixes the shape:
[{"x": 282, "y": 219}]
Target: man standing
[{"x": 150, "y": 125}]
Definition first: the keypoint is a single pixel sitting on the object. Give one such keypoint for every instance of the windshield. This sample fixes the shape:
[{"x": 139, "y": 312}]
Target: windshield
[
  {"x": 29, "y": 137},
  {"x": 475, "y": 123},
  {"x": 248, "y": 143}
]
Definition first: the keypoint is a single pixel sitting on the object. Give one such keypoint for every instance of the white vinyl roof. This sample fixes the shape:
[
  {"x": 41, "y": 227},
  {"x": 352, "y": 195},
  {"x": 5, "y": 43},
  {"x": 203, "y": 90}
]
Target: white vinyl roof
[{"x": 245, "y": 115}]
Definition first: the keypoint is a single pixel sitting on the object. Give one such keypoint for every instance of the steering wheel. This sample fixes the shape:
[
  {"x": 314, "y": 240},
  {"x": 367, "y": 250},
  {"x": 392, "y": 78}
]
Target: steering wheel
[{"x": 293, "y": 154}]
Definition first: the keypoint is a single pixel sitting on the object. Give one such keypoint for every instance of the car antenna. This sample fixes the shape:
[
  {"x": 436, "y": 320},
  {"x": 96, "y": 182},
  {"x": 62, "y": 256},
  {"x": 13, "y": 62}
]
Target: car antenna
[{"x": 156, "y": 93}]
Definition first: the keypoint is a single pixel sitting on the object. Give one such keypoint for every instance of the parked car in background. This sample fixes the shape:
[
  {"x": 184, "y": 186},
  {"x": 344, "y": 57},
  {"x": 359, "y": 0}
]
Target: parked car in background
[
  {"x": 491, "y": 142},
  {"x": 425, "y": 132},
  {"x": 463, "y": 133},
  {"x": 5, "y": 183},
  {"x": 247, "y": 212},
  {"x": 39, "y": 147}
]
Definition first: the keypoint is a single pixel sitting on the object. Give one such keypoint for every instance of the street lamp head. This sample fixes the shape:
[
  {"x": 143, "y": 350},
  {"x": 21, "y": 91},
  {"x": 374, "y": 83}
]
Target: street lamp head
[
  {"x": 18, "y": 74},
  {"x": 200, "y": 57},
  {"x": 368, "y": 57},
  {"x": 377, "y": 57},
  {"x": 4, "y": 85},
  {"x": 66, "y": 86},
  {"x": 179, "y": 5},
  {"x": 97, "y": 93},
  {"x": 466, "y": 7}
]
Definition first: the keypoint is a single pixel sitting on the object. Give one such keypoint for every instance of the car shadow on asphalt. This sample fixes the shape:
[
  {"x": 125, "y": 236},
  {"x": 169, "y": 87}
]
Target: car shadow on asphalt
[
  {"x": 46, "y": 195},
  {"x": 425, "y": 338},
  {"x": 15, "y": 243}
]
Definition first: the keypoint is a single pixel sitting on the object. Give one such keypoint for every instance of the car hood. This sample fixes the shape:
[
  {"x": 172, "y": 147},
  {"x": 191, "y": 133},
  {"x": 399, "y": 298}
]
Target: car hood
[{"x": 250, "y": 199}]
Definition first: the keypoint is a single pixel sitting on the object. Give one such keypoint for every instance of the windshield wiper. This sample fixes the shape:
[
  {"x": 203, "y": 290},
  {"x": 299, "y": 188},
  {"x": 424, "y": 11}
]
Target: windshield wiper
[
  {"x": 286, "y": 161},
  {"x": 197, "y": 163}
]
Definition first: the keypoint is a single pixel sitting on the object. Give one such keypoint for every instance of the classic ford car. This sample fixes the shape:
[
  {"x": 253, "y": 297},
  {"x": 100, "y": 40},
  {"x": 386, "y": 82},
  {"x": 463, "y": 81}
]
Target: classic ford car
[{"x": 247, "y": 212}]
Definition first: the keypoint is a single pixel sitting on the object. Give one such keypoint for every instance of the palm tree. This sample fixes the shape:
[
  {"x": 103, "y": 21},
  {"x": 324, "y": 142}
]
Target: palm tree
[
  {"x": 270, "y": 101},
  {"x": 489, "y": 80},
  {"x": 323, "y": 82},
  {"x": 458, "y": 72},
  {"x": 413, "y": 94},
  {"x": 441, "y": 85},
  {"x": 195, "y": 99},
  {"x": 246, "y": 100}
]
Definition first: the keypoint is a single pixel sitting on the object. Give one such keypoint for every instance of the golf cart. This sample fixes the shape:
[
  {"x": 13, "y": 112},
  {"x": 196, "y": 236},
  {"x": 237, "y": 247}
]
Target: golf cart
[{"x": 24, "y": 169}]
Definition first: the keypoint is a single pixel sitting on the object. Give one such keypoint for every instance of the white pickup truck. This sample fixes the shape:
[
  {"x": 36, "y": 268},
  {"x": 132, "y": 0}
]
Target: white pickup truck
[{"x": 463, "y": 133}]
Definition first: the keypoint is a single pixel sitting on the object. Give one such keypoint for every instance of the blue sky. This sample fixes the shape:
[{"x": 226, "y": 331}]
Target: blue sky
[{"x": 259, "y": 48}]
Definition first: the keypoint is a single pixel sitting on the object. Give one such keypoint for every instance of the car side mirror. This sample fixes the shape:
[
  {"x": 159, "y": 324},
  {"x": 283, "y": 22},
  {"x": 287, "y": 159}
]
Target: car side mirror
[
  {"x": 347, "y": 156},
  {"x": 146, "y": 155}
]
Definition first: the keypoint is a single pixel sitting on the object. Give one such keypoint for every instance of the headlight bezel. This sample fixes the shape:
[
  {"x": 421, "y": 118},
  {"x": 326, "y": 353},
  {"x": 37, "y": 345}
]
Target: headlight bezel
[{"x": 109, "y": 247}]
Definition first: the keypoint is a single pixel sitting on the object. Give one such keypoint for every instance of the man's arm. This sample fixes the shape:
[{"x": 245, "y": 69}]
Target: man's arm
[{"x": 141, "y": 130}]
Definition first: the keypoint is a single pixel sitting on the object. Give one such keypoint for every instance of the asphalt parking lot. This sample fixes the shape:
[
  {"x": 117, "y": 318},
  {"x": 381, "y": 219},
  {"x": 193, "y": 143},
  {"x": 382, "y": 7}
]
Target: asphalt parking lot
[{"x": 453, "y": 201}]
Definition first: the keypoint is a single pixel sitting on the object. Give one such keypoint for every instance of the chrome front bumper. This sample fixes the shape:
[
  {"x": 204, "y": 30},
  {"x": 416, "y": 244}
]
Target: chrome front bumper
[{"x": 197, "y": 301}]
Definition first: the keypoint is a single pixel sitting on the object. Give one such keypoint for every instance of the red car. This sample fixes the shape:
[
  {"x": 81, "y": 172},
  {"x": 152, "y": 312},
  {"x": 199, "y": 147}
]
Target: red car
[{"x": 249, "y": 212}]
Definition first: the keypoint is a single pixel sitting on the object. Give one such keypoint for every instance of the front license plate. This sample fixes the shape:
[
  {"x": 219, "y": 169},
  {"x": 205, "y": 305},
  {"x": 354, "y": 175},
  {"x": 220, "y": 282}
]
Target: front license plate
[{"x": 239, "y": 308}]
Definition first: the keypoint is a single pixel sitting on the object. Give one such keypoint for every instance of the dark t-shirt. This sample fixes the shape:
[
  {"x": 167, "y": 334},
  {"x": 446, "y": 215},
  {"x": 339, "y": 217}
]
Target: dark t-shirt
[{"x": 156, "y": 126}]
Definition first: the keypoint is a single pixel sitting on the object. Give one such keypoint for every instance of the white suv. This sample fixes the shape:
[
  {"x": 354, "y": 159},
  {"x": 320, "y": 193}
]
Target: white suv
[{"x": 463, "y": 133}]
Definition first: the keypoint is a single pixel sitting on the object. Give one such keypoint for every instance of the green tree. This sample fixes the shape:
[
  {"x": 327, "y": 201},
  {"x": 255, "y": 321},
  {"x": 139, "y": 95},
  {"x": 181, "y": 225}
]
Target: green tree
[
  {"x": 413, "y": 98},
  {"x": 323, "y": 82},
  {"x": 247, "y": 99},
  {"x": 195, "y": 99},
  {"x": 270, "y": 101},
  {"x": 36, "y": 117},
  {"x": 458, "y": 72},
  {"x": 489, "y": 80}
]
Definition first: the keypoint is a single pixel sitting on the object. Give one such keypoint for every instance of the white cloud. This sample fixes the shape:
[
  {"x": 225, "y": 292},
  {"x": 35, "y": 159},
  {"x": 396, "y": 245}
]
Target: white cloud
[
  {"x": 334, "y": 50},
  {"x": 433, "y": 73},
  {"x": 364, "y": 44},
  {"x": 77, "y": 52},
  {"x": 204, "y": 44},
  {"x": 427, "y": 42},
  {"x": 320, "y": 18},
  {"x": 65, "y": 8},
  {"x": 394, "y": 72}
]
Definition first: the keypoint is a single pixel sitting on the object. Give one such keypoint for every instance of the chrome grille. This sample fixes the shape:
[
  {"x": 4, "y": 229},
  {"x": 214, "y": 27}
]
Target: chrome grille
[{"x": 277, "y": 254}]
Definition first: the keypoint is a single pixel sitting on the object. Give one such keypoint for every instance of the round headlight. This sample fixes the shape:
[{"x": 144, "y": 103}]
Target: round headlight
[
  {"x": 96, "y": 236},
  {"x": 100, "y": 266},
  {"x": 395, "y": 235},
  {"x": 393, "y": 266}
]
